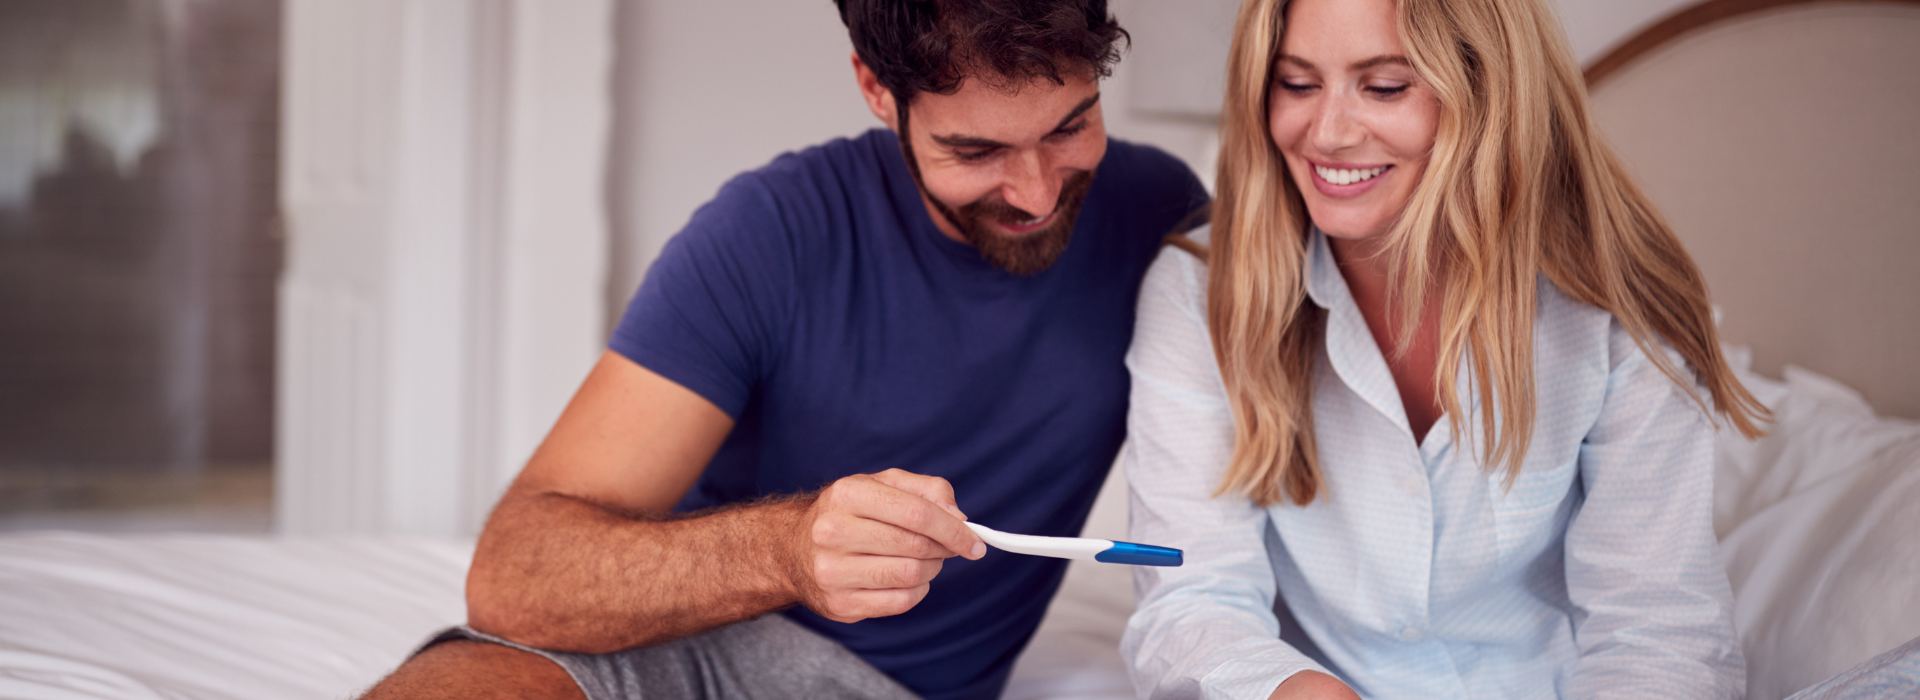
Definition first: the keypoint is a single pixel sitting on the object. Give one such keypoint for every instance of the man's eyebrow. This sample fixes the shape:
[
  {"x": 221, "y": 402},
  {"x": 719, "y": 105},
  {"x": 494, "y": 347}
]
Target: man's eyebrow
[
  {"x": 977, "y": 142},
  {"x": 964, "y": 141},
  {"x": 1375, "y": 62},
  {"x": 1078, "y": 110}
]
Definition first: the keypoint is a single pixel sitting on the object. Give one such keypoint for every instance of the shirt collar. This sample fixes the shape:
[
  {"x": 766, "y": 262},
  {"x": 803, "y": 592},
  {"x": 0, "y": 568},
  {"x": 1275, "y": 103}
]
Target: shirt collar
[
  {"x": 1351, "y": 351},
  {"x": 1325, "y": 286}
]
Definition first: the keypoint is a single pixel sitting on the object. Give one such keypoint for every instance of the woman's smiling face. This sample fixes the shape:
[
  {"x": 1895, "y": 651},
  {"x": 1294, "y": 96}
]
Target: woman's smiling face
[{"x": 1352, "y": 120}]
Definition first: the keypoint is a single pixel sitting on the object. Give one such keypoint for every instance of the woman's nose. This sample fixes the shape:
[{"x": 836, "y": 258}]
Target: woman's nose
[{"x": 1334, "y": 128}]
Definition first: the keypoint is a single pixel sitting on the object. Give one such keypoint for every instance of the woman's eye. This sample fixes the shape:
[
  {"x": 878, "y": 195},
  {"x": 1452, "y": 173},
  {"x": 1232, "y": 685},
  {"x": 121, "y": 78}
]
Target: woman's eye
[
  {"x": 1386, "y": 90},
  {"x": 1297, "y": 88}
]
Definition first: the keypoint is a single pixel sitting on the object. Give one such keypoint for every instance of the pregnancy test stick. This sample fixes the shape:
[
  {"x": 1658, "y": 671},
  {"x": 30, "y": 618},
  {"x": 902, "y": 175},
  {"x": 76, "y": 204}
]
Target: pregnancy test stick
[{"x": 1104, "y": 551}]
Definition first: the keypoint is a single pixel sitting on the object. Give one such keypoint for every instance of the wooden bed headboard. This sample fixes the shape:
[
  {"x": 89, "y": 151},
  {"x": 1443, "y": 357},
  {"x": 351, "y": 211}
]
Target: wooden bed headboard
[{"x": 1781, "y": 139}]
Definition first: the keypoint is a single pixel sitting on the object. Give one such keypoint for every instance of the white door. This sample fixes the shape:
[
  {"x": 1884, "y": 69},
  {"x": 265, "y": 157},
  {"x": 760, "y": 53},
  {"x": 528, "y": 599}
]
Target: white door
[{"x": 442, "y": 199}]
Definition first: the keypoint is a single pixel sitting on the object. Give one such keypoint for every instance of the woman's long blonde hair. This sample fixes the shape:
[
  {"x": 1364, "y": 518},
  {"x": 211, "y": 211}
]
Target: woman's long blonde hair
[{"x": 1518, "y": 183}]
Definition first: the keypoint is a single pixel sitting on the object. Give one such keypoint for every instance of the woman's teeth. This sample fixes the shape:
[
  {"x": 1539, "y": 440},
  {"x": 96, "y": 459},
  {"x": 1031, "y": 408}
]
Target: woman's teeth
[{"x": 1340, "y": 176}]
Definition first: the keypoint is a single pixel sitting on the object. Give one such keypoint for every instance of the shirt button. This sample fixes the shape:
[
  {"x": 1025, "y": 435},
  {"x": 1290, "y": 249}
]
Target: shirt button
[{"x": 1411, "y": 633}]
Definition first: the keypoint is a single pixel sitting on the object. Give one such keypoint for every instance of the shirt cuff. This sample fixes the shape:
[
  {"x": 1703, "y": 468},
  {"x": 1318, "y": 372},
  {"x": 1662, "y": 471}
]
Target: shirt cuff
[{"x": 1255, "y": 674}]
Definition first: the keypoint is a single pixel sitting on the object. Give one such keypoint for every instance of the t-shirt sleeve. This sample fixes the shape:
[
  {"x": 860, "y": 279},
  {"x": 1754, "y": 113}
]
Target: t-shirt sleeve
[
  {"x": 1172, "y": 199},
  {"x": 1193, "y": 200},
  {"x": 712, "y": 311}
]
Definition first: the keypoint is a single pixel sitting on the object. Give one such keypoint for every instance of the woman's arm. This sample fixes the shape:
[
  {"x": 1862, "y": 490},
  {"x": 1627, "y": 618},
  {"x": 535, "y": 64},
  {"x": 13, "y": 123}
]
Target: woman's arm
[
  {"x": 1653, "y": 610},
  {"x": 1206, "y": 629}
]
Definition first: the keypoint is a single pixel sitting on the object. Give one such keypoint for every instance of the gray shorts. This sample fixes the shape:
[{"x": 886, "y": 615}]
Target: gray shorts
[{"x": 766, "y": 657}]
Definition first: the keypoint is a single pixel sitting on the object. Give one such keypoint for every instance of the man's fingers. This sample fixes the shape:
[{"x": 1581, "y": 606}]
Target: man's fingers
[
  {"x": 932, "y": 488},
  {"x": 874, "y": 547},
  {"x": 860, "y": 535},
  {"x": 869, "y": 572},
  {"x": 917, "y": 514},
  {"x": 885, "y": 603}
]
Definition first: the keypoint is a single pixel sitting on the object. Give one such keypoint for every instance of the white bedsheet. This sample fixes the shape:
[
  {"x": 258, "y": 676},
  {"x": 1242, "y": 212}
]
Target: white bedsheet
[
  {"x": 88, "y": 616},
  {"x": 1818, "y": 520}
]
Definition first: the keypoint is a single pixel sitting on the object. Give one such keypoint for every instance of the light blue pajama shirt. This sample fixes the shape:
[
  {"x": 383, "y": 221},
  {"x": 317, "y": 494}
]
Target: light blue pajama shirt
[{"x": 1416, "y": 574}]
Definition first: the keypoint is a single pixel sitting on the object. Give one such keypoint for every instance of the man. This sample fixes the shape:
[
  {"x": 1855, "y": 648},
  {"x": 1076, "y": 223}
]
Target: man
[{"x": 760, "y": 489}]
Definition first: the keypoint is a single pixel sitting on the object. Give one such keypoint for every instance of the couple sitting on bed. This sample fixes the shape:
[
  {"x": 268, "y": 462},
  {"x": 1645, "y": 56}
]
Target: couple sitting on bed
[{"x": 1436, "y": 379}]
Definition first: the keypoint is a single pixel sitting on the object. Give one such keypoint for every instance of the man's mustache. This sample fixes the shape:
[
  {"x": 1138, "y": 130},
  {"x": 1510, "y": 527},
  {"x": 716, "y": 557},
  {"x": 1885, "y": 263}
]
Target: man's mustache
[{"x": 994, "y": 207}]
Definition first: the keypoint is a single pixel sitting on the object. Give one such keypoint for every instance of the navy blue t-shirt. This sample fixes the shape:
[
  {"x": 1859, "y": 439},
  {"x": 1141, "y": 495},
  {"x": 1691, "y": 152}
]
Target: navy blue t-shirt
[{"x": 815, "y": 302}]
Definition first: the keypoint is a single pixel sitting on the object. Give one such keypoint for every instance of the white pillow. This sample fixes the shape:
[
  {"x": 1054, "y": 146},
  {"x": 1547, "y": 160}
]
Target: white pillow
[{"x": 1818, "y": 521}]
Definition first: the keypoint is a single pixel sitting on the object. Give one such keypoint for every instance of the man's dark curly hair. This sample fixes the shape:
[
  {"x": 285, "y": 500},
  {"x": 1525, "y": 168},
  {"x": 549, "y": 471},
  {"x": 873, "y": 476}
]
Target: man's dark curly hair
[{"x": 917, "y": 46}]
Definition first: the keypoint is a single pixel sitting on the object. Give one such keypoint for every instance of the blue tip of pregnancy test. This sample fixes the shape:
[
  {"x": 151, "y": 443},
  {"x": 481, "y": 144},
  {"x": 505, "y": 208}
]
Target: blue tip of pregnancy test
[{"x": 1139, "y": 554}]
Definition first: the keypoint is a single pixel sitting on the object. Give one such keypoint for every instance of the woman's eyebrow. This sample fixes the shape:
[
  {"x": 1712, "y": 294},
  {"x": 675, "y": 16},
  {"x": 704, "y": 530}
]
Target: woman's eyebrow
[{"x": 1375, "y": 62}]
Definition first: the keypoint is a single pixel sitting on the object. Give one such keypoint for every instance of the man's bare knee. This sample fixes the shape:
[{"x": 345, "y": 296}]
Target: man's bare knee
[{"x": 478, "y": 670}]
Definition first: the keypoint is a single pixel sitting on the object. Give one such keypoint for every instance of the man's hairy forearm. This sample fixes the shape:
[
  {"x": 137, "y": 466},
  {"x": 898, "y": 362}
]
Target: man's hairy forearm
[{"x": 560, "y": 573}]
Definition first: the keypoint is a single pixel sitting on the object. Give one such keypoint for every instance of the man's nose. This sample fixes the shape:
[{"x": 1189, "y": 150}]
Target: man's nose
[{"x": 1029, "y": 187}]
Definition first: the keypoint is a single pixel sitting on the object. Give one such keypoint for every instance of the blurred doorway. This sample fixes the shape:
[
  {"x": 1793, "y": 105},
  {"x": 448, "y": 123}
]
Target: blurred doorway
[{"x": 138, "y": 179}]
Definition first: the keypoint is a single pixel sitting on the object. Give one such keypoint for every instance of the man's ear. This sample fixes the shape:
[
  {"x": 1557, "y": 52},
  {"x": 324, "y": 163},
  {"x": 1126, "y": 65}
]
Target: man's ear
[{"x": 879, "y": 98}]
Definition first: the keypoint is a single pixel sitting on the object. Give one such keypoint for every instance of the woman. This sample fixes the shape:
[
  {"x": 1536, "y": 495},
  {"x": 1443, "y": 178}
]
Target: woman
[{"x": 1438, "y": 381}]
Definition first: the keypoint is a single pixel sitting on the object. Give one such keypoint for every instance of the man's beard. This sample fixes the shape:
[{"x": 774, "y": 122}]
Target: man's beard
[
  {"x": 1023, "y": 255},
  {"x": 1027, "y": 254}
]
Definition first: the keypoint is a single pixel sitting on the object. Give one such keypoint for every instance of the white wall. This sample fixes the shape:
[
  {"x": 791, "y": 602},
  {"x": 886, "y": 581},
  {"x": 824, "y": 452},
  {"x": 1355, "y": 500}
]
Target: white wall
[
  {"x": 1593, "y": 26},
  {"x": 706, "y": 90}
]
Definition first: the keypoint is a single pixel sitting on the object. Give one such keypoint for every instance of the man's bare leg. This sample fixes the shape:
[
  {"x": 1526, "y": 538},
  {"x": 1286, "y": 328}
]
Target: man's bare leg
[{"x": 477, "y": 670}]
